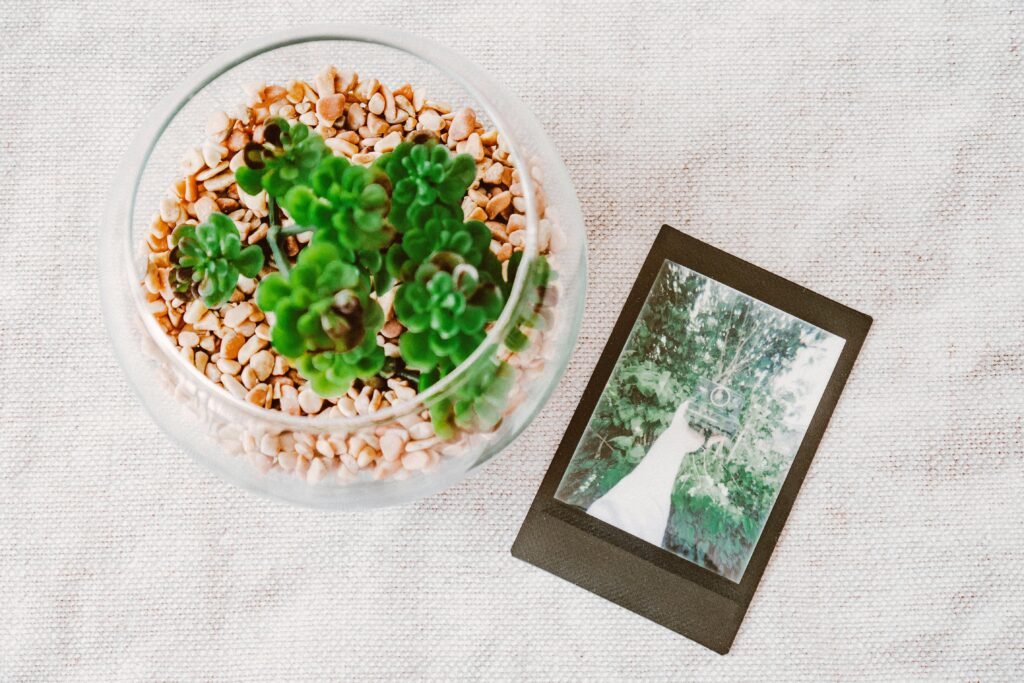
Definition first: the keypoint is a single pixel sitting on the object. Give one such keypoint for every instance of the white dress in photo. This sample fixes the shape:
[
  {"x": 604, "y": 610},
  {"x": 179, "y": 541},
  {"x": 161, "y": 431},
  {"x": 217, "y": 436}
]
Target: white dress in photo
[{"x": 640, "y": 503}]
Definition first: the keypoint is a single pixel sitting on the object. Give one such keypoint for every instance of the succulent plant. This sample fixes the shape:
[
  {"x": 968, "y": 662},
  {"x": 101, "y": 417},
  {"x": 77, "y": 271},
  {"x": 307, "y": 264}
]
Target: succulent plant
[
  {"x": 424, "y": 173},
  {"x": 345, "y": 204},
  {"x": 441, "y": 229},
  {"x": 207, "y": 259},
  {"x": 288, "y": 157},
  {"x": 444, "y": 310},
  {"x": 325, "y": 319},
  {"x": 478, "y": 403}
]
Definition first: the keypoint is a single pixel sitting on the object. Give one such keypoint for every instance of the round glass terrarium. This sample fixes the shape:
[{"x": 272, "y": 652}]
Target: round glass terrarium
[{"x": 387, "y": 453}]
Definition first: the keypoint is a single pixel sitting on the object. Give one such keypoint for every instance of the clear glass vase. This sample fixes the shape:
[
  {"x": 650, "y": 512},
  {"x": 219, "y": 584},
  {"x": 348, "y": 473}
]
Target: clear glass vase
[{"x": 390, "y": 456}]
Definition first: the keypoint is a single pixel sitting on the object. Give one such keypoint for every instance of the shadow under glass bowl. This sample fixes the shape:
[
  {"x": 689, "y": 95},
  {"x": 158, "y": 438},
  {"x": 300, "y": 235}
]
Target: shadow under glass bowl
[{"x": 230, "y": 435}]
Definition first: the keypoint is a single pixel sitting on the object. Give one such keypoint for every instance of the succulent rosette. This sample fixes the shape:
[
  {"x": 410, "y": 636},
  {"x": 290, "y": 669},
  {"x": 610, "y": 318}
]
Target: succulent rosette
[
  {"x": 441, "y": 230},
  {"x": 424, "y": 173},
  {"x": 288, "y": 156},
  {"x": 325, "y": 319},
  {"x": 444, "y": 310},
  {"x": 345, "y": 204},
  {"x": 208, "y": 259}
]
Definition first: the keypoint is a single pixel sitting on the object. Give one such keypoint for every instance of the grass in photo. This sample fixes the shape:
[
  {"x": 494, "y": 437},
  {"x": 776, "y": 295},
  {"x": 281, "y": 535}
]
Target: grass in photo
[{"x": 700, "y": 421}]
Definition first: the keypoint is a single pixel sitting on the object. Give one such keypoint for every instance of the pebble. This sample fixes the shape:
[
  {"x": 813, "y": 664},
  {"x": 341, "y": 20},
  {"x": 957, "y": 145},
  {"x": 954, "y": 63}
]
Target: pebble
[
  {"x": 310, "y": 402},
  {"x": 462, "y": 125},
  {"x": 262, "y": 364},
  {"x": 416, "y": 460},
  {"x": 250, "y": 347}
]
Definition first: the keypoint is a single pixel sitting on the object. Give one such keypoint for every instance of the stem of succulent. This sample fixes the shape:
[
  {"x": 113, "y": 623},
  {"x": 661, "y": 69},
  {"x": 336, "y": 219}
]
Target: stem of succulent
[
  {"x": 273, "y": 233},
  {"x": 295, "y": 230}
]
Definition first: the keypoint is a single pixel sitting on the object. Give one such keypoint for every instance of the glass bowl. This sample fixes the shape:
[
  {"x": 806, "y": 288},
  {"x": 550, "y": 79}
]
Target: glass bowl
[{"x": 337, "y": 460}]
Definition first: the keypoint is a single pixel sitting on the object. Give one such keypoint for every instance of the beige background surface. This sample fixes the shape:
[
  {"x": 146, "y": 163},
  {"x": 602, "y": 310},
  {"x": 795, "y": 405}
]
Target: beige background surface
[{"x": 872, "y": 151}]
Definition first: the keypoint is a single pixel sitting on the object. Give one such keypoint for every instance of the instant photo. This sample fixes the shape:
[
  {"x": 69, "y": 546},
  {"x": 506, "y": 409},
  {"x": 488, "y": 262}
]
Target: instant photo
[{"x": 671, "y": 486}]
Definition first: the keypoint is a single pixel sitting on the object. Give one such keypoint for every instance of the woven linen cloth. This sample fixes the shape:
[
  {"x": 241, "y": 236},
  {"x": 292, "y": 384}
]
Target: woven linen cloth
[{"x": 873, "y": 152}]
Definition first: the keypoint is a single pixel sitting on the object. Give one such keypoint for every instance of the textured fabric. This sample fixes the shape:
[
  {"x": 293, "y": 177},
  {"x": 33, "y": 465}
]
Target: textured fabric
[{"x": 871, "y": 151}]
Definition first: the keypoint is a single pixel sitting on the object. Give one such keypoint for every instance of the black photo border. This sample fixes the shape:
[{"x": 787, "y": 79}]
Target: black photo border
[{"x": 646, "y": 579}]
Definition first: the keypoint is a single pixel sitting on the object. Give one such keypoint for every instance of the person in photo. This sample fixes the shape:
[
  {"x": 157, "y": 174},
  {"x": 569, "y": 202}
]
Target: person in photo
[{"x": 641, "y": 502}]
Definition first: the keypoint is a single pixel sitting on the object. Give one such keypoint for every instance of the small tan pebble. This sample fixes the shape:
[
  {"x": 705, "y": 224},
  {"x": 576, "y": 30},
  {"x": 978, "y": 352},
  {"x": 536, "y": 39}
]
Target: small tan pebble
[
  {"x": 217, "y": 126},
  {"x": 331, "y": 107},
  {"x": 498, "y": 203},
  {"x": 287, "y": 460},
  {"x": 213, "y": 153},
  {"x": 169, "y": 210},
  {"x": 188, "y": 339},
  {"x": 192, "y": 162},
  {"x": 343, "y": 147},
  {"x": 377, "y": 125},
  {"x": 237, "y": 315},
  {"x": 462, "y": 125},
  {"x": 376, "y": 104},
  {"x": 391, "y": 444},
  {"x": 477, "y": 197},
  {"x": 430, "y": 120},
  {"x": 203, "y": 176},
  {"x": 366, "y": 456},
  {"x": 423, "y": 444},
  {"x": 365, "y": 159},
  {"x": 233, "y": 385},
  {"x": 236, "y": 140},
  {"x": 195, "y": 310},
  {"x": 517, "y": 239},
  {"x": 262, "y": 364},
  {"x": 476, "y": 214},
  {"x": 157, "y": 307},
  {"x": 273, "y": 93},
  {"x": 405, "y": 392},
  {"x": 258, "y": 395},
  {"x": 230, "y": 345},
  {"x": 209, "y": 343},
  {"x": 474, "y": 148},
  {"x": 504, "y": 252},
  {"x": 208, "y": 323},
  {"x": 213, "y": 372},
  {"x": 310, "y": 119},
  {"x": 346, "y": 406},
  {"x": 188, "y": 354},
  {"x": 290, "y": 400},
  {"x": 228, "y": 366},
  {"x": 421, "y": 430},
  {"x": 221, "y": 182},
  {"x": 317, "y": 471},
  {"x": 310, "y": 402},
  {"x": 325, "y": 81},
  {"x": 324, "y": 447},
  {"x": 490, "y": 137},
  {"x": 494, "y": 172},
  {"x": 201, "y": 360},
  {"x": 416, "y": 460},
  {"x": 270, "y": 444},
  {"x": 262, "y": 463},
  {"x": 250, "y": 347},
  {"x": 280, "y": 365},
  {"x": 355, "y": 116},
  {"x": 516, "y": 222},
  {"x": 248, "y": 377},
  {"x": 391, "y": 329},
  {"x": 497, "y": 230},
  {"x": 388, "y": 143},
  {"x": 204, "y": 207}
]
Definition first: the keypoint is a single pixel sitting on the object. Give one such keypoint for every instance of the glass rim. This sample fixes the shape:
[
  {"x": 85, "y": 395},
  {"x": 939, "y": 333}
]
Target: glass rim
[{"x": 452, "y": 66}]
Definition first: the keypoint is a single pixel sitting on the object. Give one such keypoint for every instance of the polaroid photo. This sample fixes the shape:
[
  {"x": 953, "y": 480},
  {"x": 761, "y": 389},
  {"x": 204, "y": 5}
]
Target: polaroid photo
[{"x": 678, "y": 470}]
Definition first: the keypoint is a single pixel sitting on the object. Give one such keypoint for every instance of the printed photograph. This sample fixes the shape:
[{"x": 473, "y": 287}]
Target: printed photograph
[{"x": 700, "y": 421}]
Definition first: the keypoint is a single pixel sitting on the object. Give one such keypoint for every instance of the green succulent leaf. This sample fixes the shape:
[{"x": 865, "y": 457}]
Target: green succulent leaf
[{"x": 207, "y": 259}]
